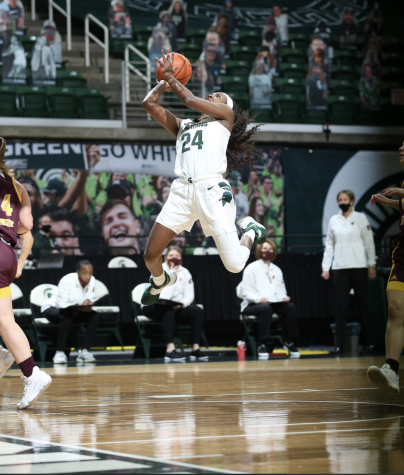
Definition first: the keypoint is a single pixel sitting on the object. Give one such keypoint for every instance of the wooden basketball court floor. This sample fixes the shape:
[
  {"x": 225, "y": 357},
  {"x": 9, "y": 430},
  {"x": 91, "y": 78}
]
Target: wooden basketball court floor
[{"x": 287, "y": 416}]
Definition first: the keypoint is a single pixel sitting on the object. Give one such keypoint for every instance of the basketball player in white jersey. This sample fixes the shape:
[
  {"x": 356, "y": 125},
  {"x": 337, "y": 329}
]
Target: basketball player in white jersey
[{"x": 206, "y": 148}]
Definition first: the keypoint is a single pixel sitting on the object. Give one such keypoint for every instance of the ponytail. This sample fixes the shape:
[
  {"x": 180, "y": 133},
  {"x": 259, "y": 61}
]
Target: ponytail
[{"x": 4, "y": 169}]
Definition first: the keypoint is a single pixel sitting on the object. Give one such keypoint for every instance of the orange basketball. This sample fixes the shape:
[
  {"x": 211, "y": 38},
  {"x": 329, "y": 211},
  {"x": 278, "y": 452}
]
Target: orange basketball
[{"x": 183, "y": 72}]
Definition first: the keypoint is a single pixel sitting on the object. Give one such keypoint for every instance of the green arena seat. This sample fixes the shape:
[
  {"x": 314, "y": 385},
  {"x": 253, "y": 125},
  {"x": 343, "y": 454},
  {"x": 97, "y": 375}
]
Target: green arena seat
[
  {"x": 33, "y": 101},
  {"x": 299, "y": 40},
  {"x": 290, "y": 55},
  {"x": 342, "y": 109},
  {"x": 369, "y": 117},
  {"x": 243, "y": 53},
  {"x": 344, "y": 72},
  {"x": 242, "y": 99},
  {"x": 196, "y": 35},
  {"x": 287, "y": 108},
  {"x": 142, "y": 32},
  {"x": 91, "y": 104},
  {"x": 345, "y": 58},
  {"x": 343, "y": 87},
  {"x": 293, "y": 70},
  {"x": 8, "y": 101},
  {"x": 312, "y": 116},
  {"x": 28, "y": 42},
  {"x": 190, "y": 51},
  {"x": 393, "y": 73},
  {"x": 61, "y": 102},
  {"x": 232, "y": 84},
  {"x": 264, "y": 116},
  {"x": 289, "y": 86},
  {"x": 70, "y": 79},
  {"x": 249, "y": 38},
  {"x": 234, "y": 67}
]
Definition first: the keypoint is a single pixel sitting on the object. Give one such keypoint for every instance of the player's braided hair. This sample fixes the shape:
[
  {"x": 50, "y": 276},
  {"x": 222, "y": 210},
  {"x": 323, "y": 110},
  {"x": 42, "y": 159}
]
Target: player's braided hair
[
  {"x": 4, "y": 169},
  {"x": 241, "y": 147}
]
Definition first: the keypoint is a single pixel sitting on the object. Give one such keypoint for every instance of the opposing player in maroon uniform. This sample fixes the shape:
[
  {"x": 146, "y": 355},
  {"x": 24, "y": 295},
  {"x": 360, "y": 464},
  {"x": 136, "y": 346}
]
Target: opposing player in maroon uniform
[
  {"x": 15, "y": 218},
  {"x": 386, "y": 377}
]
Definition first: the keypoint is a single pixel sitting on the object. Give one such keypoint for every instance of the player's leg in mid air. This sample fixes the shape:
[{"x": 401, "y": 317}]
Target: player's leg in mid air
[
  {"x": 234, "y": 252},
  {"x": 159, "y": 238},
  {"x": 35, "y": 380},
  {"x": 386, "y": 377}
]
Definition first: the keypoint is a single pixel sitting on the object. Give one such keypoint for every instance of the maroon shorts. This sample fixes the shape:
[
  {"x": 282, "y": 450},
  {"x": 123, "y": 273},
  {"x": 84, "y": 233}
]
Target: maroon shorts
[
  {"x": 396, "y": 278},
  {"x": 8, "y": 268}
]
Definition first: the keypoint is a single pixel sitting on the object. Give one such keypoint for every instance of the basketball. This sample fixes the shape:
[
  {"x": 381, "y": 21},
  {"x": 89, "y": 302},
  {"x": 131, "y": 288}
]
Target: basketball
[{"x": 183, "y": 72}]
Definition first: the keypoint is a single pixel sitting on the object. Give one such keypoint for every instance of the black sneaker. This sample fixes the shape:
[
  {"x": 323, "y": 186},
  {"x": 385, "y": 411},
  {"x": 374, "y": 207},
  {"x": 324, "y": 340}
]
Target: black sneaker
[
  {"x": 291, "y": 348},
  {"x": 198, "y": 356},
  {"x": 174, "y": 357},
  {"x": 262, "y": 352}
]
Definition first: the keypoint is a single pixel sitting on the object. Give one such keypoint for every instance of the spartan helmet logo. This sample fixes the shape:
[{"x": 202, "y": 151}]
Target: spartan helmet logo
[
  {"x": 121, "y": 263},
  {"x": 47, "y": 293}
]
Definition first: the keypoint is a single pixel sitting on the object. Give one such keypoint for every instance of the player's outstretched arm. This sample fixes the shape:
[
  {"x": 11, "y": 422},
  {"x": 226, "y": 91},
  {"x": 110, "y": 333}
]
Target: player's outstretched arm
[
  {"x": 379, "y": 198},
  {"x": 217, "y": 109},
  {"x": 394, "y": 191},
  {"x": 158, "y": 112}
]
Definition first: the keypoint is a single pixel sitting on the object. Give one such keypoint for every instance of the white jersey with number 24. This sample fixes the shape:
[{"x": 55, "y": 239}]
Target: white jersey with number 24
[{"x": 201, "y": 148}]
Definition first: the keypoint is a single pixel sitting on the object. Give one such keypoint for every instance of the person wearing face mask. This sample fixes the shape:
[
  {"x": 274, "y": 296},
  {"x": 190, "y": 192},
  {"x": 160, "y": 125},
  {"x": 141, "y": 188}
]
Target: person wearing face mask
[
  {"x": 264, "y": 293},
  {"x": 176, "y": 304},
  {"x": 350, "y": 253},
  {"x": 43, "y": 240}
]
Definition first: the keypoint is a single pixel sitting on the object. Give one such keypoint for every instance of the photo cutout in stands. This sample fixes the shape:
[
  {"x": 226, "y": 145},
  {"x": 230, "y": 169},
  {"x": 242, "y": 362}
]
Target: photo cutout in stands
[
  {"x": 316, "y": 88},
  {"x": 12, "y": 55},
  {"x": 16, "y": 10},
  {"x": 348, "y": 30},
  {"x": 43, "y": 61},
  {"x": 120, "y": 23},
  {"x": 50, "y": 31},
  {"x": 260, "y": 86}
]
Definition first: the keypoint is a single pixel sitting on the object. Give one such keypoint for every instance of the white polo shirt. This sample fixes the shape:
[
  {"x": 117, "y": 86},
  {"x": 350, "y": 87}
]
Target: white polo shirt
[
  {"x": 183, "y": 290},
  {"x": 349, "y": 243},
  {"x": 70, "y": 292},
  {"x": 262, "y": 280}
]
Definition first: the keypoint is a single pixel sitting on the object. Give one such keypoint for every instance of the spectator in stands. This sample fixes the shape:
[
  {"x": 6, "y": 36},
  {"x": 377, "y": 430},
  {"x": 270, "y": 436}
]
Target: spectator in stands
[
  {"x": 51, "y": 33},
  {"x": 270, "y": 51},
  {"x": 257, "y": 210},
  {"x": 348, "y": 30},
  {"x": 34, "y": 196},
  {"x": 64, "y": 231},
  {"x": 197, "y": 87},
  {"x": 120, "y": 227},
  {"x": 228, "y": 12},
  {"x": 17, "y": 14},
  {"x": 120, "y": 23},
  {"x": 282, "y": 22},
  {"x": 260, "y": 87},
  {"x": 252, "y": 189},
  {"x": 318, "y": 53},
  {"x": 369, "y": 89},
  {"x": 213, "y": 37},
  {"x": 169, "y": 28},
  {"x": 316, "y": 87},
  {"x": 270, "y": 199},
  {"x": 150, "y": 194},
  {"x": 120, "y": 190},
  {"x": 44, "y": 242},
  {"x": 176, "y": 305},
  {"x": 240, "y": 198},
  {"x": 224, "y": 31},
  {"x": 211, "y": 63},
  {"x": 156, "y": 43},
  {"x": 73, "y": 304},
  {"x": 323, "y": 31},
  {"x": 264, "y": 293},
  {"x": 179, "y": 17},
  {"x": 43, "y": 65},
  {"x": 13, "y": 54}
]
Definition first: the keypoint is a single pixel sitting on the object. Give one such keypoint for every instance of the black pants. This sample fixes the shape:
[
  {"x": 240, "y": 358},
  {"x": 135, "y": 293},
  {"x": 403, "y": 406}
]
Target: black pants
[
  {"x": 66, "y": 317},
  {"x": 344, "y": 280},
  {"x": 168, "y": 316},
  {"x": 264, "y": 312}
]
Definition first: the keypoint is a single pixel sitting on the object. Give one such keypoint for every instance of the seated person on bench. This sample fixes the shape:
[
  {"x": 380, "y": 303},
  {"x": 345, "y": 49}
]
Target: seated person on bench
[
  {"x": 264, "y": 293},
  {"x": 71, "y": 305},
  {"x": 175, "y": 304}
]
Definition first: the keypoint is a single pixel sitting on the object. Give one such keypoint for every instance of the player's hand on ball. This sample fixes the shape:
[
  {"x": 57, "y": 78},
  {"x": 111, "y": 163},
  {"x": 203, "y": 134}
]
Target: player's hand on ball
[
  {"x": 379, "y": 198},
  {"x": 167, "y": 64}
]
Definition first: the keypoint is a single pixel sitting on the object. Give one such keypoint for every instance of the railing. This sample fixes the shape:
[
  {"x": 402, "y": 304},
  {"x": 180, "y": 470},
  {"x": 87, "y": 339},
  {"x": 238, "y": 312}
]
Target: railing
[
  {"x": 33, "y": 8},
  {"x": 104, "y": 46},
  {"x": 67, "y": 14},
  {"x": 129, "y": 66}
]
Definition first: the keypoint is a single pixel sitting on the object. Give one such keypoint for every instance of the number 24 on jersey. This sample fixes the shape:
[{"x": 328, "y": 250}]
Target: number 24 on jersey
[
  {"x": 196, "y": 142},
  {"x": 5, "y": 205}
]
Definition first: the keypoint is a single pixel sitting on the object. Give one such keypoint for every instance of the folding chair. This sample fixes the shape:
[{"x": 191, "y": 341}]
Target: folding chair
[{"x": 205, "y": 251}]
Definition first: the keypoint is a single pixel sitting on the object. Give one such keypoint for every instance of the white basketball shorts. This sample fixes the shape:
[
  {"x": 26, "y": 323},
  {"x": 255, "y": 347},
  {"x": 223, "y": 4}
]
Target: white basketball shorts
[{"x": 202, "y": 200}]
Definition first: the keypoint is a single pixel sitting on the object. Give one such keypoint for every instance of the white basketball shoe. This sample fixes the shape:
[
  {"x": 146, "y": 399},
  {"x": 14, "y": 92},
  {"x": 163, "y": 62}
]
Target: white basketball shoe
[
  {"x": 385, "y": 378},
  {"x": 6, "y": 360},
  {"x": 247, "y": 223},
  {"x": 34, "y": 386}
]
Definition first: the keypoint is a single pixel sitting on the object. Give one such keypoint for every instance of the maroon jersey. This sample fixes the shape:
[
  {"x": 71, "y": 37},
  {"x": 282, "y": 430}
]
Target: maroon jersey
[
  {"x": 9, "y": 209},
  {"x": 400, "y": 235}
]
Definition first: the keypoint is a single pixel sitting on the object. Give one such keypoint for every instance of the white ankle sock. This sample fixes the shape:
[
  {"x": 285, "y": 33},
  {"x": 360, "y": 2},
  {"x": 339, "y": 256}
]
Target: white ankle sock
[
  {"x": 159, "y": 280},
  {"x": 250, "y": 234}
]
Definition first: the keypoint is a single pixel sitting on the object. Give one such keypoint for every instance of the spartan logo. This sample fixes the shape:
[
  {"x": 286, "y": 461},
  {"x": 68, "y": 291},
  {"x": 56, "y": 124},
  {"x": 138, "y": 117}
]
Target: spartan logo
[{"x": 367, "y": 173}]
